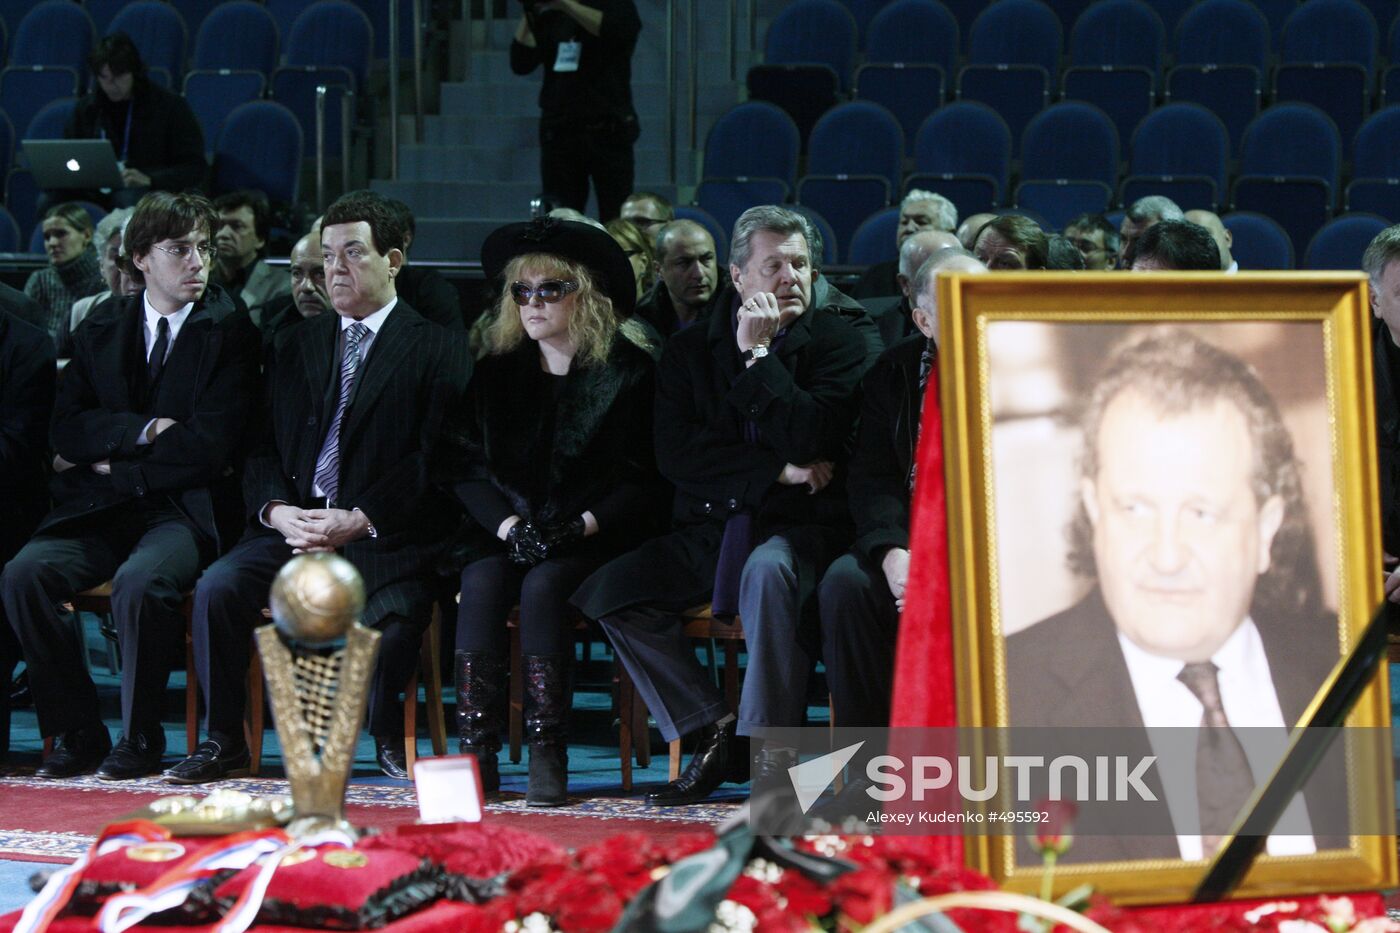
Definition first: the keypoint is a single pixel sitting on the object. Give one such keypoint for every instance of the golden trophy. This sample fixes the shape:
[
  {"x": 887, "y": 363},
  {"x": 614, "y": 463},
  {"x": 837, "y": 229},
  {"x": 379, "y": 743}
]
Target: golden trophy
[{"x": 318, "y": 659}]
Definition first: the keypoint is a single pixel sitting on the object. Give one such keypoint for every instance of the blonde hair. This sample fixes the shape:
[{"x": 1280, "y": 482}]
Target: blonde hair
[
  {"x": 592, "y": 324},
  {"x": 629, "y": 236}
]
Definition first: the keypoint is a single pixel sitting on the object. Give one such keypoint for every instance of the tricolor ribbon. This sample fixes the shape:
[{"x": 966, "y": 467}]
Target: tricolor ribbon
[
  {"x": 245, "y": 910},
  {"x": 51, "y": 901},
  {"x": 173, "y": 888}
]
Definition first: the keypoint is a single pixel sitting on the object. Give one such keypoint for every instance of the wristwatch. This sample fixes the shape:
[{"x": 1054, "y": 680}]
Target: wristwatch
[{"x": 756, "y": 353}]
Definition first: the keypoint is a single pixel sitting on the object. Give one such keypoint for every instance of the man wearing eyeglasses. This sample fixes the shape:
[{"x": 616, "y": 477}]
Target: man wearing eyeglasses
[
  {"x": 146, "y": 427},
  {"x": 648, "y": 211},
  {"x": 1096, "y": 238},
  {"x": 358, "y": 400}
]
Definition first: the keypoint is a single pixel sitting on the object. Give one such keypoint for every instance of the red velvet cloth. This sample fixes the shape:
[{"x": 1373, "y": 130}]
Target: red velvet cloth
[
  {"x": 477, "y": 850},
  {"x": 318, "y": 882},
  {"x": 924, "y": 692}
]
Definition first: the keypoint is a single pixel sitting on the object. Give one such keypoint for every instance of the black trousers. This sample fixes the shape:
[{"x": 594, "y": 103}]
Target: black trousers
[
  {"x": 859, "y": 627},
  {"x": 571, "y": 155},
  {"x": 152, "y": 555},
  {"x": 492, "y": 585},
  {"x": 228, "y": 604}
]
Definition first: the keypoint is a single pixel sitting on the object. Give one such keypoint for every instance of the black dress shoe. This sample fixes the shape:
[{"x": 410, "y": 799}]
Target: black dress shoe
[
  {"x": 211, "y": 761},
  {"x": 708, "y": 768},
  {"x": 133, "y": 757},
  {"x": 393, "y": 761},
  {"x": 76, "y": 752}
]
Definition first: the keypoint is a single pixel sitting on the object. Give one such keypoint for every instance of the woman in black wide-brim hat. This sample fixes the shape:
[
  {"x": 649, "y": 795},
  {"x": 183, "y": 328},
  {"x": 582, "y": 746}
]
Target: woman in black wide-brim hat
[{"x": 561, "y": 477}]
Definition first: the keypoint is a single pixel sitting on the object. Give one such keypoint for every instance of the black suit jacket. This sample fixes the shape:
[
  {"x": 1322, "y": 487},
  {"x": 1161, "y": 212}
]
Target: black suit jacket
[
  {"x": 390, "y": 447},
  {"x": 885, "y": 448},
  {"x": 209, "y": 387},
  {"x": 1386, "y": 373},
  {"x": 1069, "y": 671},
  {"x": 26, "y": 402}
]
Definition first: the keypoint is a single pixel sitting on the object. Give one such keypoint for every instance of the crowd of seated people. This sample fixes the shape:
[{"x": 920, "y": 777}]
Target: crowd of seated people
[{"x": 738, "y": 436}]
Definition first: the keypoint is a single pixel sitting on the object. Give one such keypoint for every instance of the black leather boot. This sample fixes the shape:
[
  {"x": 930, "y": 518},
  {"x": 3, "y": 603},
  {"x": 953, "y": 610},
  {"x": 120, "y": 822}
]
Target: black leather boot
[
  {"x": 481, "y": 711},
  {"x": 710, "y": 766},
  {"x": 546, "y": 728},
  {"x": 773, "y": 806}
]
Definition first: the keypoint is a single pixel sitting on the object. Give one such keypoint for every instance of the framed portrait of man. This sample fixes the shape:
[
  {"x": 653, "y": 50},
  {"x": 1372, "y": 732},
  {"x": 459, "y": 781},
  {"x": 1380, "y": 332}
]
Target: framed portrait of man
[{"x": 1163, "y": 537}]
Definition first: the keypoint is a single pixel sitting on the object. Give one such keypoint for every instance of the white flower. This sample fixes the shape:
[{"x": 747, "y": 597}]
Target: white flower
[
  {"x": 1300, "y": 926},
  {"x": 764, "y": 870},
  {"x": 732, "y": 917},
  {"x": 1341, "y": 912},
  {"x": 1273, "y": 907}
]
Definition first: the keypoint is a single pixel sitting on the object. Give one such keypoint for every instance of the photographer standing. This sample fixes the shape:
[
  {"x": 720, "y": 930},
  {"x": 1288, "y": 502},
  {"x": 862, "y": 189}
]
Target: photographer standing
[{"x": 587, "y": 124}]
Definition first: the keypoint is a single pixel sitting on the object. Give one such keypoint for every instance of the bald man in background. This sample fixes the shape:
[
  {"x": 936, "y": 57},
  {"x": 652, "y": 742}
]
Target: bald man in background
[{"x": 1220, "y": 234}]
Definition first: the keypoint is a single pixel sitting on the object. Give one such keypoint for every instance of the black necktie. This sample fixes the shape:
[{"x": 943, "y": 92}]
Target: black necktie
[
  {"x": 156, "y": 362},
  {"x": 1223, "y": 778}
]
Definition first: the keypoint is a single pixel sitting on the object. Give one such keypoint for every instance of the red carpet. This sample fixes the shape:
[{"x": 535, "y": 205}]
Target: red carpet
[{"x": 55, "y": 821}]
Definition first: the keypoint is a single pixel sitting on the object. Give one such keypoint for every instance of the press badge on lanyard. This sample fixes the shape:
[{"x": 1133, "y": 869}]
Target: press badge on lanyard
[{"x": 567, "y": 59}]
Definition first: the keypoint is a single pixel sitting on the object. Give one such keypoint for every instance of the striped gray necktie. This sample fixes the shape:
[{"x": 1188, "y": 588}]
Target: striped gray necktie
[{"x": 328, "y": 463}]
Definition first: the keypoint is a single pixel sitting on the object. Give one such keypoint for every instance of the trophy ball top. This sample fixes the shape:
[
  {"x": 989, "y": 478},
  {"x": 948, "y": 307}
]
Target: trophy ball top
[{"x": 316, "y": 598}]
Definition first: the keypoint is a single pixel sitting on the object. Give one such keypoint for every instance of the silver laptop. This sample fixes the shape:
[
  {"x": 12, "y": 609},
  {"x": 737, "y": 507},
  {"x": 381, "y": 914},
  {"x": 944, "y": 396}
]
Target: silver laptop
[{"x": 73, "y": 163}]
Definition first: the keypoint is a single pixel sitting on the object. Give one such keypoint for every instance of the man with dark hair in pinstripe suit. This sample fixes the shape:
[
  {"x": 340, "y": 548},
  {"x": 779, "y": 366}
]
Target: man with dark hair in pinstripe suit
[{"x": 358, "y": 400}]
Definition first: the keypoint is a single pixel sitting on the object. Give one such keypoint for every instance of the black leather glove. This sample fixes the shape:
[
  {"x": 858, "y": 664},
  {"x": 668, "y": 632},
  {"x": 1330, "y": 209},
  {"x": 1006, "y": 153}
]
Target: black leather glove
[
  {"x": 524, "y": 545},
  {"x": 560, "y": 539}
]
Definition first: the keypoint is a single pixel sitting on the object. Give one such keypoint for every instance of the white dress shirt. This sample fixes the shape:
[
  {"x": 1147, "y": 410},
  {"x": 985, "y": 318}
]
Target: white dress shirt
[
  {"x": 1172, "y": 714},
  {"x": 151, "y": 321}
]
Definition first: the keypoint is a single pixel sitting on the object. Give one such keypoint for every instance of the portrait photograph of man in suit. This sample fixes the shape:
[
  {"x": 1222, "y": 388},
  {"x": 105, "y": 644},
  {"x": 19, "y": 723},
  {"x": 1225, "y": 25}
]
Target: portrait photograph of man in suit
[{"x": 1200, "y": 606}]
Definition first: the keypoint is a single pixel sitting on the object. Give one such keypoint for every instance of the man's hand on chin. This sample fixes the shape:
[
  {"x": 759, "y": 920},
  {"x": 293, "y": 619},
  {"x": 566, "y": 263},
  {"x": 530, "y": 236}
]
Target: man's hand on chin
[{"x": 336, "y": 527}]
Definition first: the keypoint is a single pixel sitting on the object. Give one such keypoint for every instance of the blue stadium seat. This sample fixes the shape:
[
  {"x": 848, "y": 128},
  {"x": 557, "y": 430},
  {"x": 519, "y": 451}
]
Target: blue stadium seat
[
  {"x": 809, "y": 32},
  {"x": 873, "y": 240},
  {"x": 1290, "y": 163},
  {"x": 158, "y": 31},
  {"x": 51, "y": 119},
  {"x": 1258, "y": 242},
  {"x": 1277, "y": 13},
  {"x": 909, "y": 91},
  {"x": 803, "y": 92},
  {"x": 1375, "y": 185},
  {"x": 24, "y": 91},
  {"x": 1330, "y": 31},
  {"x": 1342, "y": 90},
  {"x": 285, "y": 13},
  {"x": 1231, "y": 92},
  {"x": 1016, "y": 92},
  {"x": 1124, "y": 92},
  {"x": 1223, "y": 32},
  {"x": 56, "y": 33},
  {"x": 1340, "y": 243},
  {"x": 753, "y": 139},
  {"x": 1070, "y": 140},
  {"x": 1013, "y": 55},
  {"x": 844, "y": 200},
  {"x": 726, "y": 198},
  {"x": 914, "y": 32},
  {"x": 960, "y": 143},
  {"x": 706, "y": 220},
  {"x": 194, "y": 11},
  {"x": 260, "y": 147},
  {"x": 295, "y": 87},
  {"x": 863, "y": 11},
  {"x": 9, "y": 232},
  {"x": 828, "y": 250},
  {"x": 859, "y": 138},
  {"x": 1119, "y": 33},
  {"x": 1170, "y": 12},
  {"x": 1062, "y": 200},
  {"x": 1017, "y": 32},
  {"x": 1069, "y": 11},
  {"x": 212, "y": 95},
  {"x": 7, "y": 145},
  {"x": 1180, "y": 143},
  {"x": 332, "y": 34},
  {"x": 22, "y": 198},
  {"x": 240, "y": 36},
  {"x": 103, "y": 12}
]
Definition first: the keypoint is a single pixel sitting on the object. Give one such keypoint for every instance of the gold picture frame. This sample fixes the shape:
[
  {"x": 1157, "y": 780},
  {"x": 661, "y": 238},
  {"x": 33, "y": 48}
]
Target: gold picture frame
[{"x": 1017, "y": 354}]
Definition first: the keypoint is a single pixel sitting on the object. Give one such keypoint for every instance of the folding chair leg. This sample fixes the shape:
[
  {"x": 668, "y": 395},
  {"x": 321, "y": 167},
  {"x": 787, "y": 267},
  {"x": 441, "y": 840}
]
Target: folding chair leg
[
  {"x": 191, "y": 698},
  {"x": 432, "y": 666},
  {"x": 410, "y": 722},
  {"x": 626, "y": 714},
  {"x": 254, "y": 719}
]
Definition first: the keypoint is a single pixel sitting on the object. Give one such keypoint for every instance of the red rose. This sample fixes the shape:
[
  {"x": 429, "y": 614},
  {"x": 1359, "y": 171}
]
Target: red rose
[
  {"x": 804, "y": 896},
  {"x": 1057, "y": 835},
  {"x": 863, "y": 895}
]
